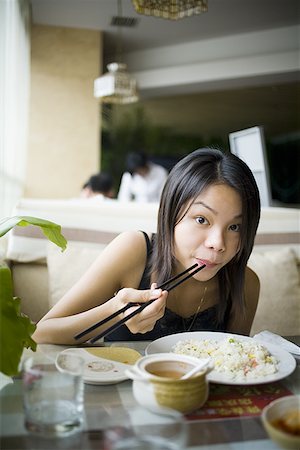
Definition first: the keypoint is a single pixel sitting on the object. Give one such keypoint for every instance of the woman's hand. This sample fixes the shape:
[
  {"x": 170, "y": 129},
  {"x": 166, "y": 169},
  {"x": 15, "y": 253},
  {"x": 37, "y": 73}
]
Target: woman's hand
[{"x": 146, "y": 319}]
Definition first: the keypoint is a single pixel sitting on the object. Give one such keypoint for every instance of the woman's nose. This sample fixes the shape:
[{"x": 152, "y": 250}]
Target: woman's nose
[{"x": 216, "y": 241}]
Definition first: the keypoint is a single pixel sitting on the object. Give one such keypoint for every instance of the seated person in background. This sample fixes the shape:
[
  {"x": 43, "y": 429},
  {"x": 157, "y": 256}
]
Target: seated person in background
[
  {"x": 208, "y": 215},
  {"x": 98, "y": 186},
  {"x": 86, "y": 191},
  {"x": 143, "y": 181}
]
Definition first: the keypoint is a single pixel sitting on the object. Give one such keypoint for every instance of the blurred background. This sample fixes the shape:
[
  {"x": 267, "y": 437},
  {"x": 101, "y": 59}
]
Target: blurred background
[{"x": 199, "y": 78}]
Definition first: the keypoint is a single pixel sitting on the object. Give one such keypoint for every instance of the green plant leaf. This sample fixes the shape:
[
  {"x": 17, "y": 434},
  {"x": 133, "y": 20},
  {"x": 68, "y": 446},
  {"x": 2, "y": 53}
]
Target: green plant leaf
[
  {"x": 15, "y": 328},
  {"x": 50, "y": 229}
]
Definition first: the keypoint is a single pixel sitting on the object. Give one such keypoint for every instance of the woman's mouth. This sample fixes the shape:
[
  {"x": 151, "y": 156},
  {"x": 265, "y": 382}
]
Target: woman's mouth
[{"x": 208, "y": 264}]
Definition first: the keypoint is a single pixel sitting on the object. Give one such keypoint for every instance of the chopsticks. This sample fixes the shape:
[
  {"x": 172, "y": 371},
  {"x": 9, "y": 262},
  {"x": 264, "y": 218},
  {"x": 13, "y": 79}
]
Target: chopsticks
[{"x": 167, "y": 285}]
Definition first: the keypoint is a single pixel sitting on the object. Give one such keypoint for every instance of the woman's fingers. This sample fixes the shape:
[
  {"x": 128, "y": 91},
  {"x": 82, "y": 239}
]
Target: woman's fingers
[
  {"x": 128, "y": 295},
  {"x": 146, "y": 319}
]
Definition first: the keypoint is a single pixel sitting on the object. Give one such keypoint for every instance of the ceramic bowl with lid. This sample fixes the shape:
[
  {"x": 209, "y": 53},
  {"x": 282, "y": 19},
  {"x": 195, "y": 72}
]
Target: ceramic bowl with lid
[{"x": 158, "y": 383}]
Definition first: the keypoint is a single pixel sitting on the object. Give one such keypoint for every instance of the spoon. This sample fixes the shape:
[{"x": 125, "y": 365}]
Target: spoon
[{"x": 204, "y": 363}]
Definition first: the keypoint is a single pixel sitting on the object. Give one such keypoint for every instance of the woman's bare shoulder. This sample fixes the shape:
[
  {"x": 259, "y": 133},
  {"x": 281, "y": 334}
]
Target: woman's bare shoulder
[
  {"x": 120, "y": 264},
  {"x": 126, "y": 256},
  {"x": 127, "y": 239},
  {"x": 129, "y": 246}
]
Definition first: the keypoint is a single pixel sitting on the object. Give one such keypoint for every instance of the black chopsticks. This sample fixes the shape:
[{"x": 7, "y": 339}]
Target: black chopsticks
[
  {"x": 167, "y": 285},
  {"x": 129, "y": 305}
]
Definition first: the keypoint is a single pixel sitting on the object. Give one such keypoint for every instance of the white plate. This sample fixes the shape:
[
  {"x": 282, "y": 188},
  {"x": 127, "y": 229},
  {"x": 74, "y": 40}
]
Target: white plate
[
  {"x": 286, "y": 365},
  {"x": 108, "y": 370}
]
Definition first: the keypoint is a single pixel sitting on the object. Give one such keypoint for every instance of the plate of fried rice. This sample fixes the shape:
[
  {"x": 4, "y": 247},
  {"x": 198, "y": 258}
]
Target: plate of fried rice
[{"x": 237, "y": 359}]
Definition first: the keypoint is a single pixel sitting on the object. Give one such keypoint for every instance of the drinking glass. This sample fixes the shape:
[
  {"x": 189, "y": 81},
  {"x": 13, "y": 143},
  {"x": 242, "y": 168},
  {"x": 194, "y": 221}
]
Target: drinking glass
[{"x": 53, "y": 394}]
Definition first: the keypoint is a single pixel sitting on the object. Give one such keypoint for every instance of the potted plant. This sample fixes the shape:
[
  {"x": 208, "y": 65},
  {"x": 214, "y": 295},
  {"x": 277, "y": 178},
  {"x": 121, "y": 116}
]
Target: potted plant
[{"x": 16, "y": 328}]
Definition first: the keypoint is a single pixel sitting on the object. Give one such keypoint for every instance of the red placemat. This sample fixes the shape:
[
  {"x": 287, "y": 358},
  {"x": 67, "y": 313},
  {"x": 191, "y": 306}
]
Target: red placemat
[{"x": 235, "y": 401}]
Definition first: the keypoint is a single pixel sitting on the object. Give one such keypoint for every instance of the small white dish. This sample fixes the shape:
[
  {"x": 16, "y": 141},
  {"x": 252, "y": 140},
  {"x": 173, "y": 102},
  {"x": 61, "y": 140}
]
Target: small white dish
[{"x": 105, "y": 365}]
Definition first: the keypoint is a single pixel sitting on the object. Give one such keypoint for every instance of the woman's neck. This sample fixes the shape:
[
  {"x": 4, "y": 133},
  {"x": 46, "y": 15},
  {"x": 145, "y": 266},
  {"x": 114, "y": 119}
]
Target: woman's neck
[{"x": 185, "y": 299}]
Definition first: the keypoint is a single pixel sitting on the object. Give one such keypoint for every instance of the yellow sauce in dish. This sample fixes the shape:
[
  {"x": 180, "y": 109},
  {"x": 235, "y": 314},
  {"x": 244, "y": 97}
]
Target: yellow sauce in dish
[{"x": 123, "y": 355}]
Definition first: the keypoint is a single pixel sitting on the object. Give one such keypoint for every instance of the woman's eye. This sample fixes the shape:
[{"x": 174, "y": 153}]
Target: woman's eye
[
  {"x": 236, "y": 227},
  {"x": 201, "y": 220}
]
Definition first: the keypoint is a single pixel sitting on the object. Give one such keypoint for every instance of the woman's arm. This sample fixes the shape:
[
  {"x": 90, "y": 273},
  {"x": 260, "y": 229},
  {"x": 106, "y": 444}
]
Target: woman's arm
[
  {"x": 242, "y": 323},
  {"x": 91, "y": 299}
]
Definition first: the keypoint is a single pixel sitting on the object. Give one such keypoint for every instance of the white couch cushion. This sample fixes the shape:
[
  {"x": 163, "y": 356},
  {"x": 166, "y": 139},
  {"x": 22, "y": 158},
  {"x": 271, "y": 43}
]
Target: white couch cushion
[
  {"x": 65, "y": 268},
  {"x": 279, "y": 302}
]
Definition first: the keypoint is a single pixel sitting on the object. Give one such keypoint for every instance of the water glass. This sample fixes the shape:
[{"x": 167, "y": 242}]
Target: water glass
[{"x": 53, "y": 394}]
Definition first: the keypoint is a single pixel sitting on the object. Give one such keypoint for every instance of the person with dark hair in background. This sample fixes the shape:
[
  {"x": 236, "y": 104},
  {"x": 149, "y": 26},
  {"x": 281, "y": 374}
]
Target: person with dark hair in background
[
  {"x": 86, "y": 191},
  {"x": 99, "y": 185},
  {"x": 143, "y": 181}
]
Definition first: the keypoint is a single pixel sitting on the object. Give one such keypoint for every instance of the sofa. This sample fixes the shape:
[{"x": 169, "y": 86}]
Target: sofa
[{"x": 42, "y": 273}]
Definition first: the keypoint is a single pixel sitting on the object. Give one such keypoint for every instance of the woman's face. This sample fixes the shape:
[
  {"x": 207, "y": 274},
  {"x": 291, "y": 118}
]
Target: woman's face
[{"x": 209, "y": 232}]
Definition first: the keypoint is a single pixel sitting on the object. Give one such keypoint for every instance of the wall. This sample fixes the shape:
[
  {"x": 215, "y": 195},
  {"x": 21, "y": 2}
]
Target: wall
[{"x": 64, "y": 116}]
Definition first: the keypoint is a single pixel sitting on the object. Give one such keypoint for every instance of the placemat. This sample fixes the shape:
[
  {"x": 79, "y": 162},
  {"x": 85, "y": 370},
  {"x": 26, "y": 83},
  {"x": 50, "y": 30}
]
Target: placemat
[{"x": 227, "y": 401}]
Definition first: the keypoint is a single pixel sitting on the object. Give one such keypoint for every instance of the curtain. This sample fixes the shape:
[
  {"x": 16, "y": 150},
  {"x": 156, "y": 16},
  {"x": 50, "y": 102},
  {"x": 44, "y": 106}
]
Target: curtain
[{"x": 14, "y": 100}]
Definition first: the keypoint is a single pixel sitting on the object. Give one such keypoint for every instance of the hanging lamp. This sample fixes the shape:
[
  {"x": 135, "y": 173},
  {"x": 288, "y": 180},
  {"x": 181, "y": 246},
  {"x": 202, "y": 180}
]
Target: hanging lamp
[
  {"x": 117, "y": 85},
  {"x": 170, "y": 9}
]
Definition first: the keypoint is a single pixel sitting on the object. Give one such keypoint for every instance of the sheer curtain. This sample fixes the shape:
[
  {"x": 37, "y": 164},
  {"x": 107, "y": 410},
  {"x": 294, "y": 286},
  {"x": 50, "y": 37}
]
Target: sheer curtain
[{"x": 14, "y": 100}]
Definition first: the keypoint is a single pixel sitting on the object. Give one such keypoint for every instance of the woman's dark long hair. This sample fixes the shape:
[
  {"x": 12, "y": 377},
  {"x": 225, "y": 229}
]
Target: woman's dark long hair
[{"x": 188, "y": 178}]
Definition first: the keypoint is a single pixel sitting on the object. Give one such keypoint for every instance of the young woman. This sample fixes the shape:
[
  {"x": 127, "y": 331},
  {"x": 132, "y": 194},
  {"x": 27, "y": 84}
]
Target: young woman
[{"x": 209, "y": 213}]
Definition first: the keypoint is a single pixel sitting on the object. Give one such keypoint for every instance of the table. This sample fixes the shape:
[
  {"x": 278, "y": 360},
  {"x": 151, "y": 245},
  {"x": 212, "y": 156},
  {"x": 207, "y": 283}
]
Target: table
[{"x": 240, "y": 433}]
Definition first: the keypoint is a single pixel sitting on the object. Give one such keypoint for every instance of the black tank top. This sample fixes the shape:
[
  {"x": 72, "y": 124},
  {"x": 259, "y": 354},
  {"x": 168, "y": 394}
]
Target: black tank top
[{"x": 171, "y": 322}]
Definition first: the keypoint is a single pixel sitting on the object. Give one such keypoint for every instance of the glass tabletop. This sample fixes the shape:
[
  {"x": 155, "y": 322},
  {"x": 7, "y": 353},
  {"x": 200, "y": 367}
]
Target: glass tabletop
[{"x": 115, "y": 405}]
